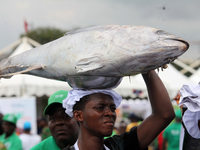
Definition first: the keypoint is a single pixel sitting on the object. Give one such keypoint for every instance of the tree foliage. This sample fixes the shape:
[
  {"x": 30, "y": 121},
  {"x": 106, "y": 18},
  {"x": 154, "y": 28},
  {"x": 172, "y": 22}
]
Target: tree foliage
[{"x": 44, "y": 34}]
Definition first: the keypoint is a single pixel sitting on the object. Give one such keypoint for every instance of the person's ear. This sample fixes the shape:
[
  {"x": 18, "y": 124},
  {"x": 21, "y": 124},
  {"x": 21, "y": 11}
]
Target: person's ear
[{"x": 78, "y": 115}]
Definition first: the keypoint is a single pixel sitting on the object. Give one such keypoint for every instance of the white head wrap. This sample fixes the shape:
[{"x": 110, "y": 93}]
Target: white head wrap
[
  {"x": 76, "y": 94},
  {"x": 190, "y": 97},
  {"x": 190, "y": 120}
]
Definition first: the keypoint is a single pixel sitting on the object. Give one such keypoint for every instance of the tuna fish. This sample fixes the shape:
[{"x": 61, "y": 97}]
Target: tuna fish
[{"x": 103, "y": 51}]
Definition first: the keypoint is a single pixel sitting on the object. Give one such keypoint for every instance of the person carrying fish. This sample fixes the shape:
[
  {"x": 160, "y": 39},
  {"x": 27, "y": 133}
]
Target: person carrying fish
[{"x": 95, "y": 111}]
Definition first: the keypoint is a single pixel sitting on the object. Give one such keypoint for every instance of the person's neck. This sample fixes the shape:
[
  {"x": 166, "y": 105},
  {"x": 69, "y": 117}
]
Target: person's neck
[
  {"x": 27, "y": 132},
  {"x": 67, "y": 143},
  {"x": 90, "y": 142},
  {"x": 62, "y": 145},
  {"x": 7, "y": 135}
]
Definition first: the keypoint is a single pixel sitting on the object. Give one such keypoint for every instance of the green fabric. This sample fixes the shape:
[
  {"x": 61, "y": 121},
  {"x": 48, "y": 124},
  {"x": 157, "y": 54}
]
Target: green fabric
[
  {"x": 47, "y": 144},
  {"x": 172, "y": 135},
  {"x": 178, "y": 113},
  {"x": 10, "y": 118},
  {"x": 113, "y": 133},
  {"x": 57, "y": 97},
  {"x": 12, "y": 142},
  {"x": 45, "y": 133}
]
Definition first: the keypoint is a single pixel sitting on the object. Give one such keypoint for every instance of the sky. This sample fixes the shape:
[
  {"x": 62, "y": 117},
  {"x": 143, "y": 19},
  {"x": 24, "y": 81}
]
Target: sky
[{"x": 179, "y": 17}]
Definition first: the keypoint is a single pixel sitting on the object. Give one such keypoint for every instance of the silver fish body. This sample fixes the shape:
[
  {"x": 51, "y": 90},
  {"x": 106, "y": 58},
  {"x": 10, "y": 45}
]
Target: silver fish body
[{"x": 110, "y": 51}]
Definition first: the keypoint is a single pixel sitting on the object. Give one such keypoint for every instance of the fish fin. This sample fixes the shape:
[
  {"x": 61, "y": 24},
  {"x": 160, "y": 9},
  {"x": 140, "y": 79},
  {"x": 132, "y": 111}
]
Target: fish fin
[
  {"x": 35, "y": 67},
  {"x": 89, "y": 64}
]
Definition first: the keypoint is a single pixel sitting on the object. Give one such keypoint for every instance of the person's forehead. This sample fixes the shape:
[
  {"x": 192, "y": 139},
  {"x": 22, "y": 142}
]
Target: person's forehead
[
  {"x": 55, "y": 109},
  {"x": 100, "y": 97},
  {"x": 7, "y": 123}
]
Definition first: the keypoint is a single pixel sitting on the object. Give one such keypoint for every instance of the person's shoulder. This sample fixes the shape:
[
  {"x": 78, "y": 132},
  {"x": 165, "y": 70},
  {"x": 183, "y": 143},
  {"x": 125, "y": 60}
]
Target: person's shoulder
[
  {"x": 2, "y": 136},
  {"x": 37, "y": 136},
  {"x": 43, "y": 144},
  {"x": 23, "y": 135},
  {"x": 15, "y": 137},
  {"x": 123, "y": 140}
]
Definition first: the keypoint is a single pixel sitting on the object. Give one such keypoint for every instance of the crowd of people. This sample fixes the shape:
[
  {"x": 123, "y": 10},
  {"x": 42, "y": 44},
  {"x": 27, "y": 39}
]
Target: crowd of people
[{"x": 83, "y": 119}]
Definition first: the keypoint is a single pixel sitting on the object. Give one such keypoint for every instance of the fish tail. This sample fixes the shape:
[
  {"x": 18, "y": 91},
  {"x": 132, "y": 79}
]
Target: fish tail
[{"x": 20, "y": 69}]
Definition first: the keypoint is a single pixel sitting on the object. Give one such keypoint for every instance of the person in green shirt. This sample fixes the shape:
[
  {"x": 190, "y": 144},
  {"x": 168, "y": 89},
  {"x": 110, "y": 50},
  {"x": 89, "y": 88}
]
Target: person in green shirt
[
  {"x": 64, "y": 129},
  {"x": 9, "y": 138},
  {"x": 171, "y": 134}
]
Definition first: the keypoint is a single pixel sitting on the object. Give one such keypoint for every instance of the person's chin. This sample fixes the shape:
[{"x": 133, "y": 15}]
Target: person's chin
[
  {"x": 62, "y": 137},
  {"x": 61, "y": 134},
  {"x": 108, "y": 132}
]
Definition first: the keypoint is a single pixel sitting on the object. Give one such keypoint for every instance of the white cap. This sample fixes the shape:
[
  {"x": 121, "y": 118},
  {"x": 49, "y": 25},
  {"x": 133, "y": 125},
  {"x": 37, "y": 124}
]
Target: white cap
[
  {"x": 190, "y": 97},
  {"x": 76, "y": 94}
]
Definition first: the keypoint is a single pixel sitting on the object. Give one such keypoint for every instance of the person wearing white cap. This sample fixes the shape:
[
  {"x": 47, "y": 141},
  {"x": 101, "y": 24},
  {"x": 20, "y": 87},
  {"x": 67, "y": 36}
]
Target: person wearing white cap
[{"x": 95, "y": 111}]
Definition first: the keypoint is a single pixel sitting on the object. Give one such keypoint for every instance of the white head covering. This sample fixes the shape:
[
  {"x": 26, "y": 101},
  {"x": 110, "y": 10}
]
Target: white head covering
[
  {"x": 76, "y": 94},
  {"x": 190, "y": 97},
  {"x": 190, "y": 120}
]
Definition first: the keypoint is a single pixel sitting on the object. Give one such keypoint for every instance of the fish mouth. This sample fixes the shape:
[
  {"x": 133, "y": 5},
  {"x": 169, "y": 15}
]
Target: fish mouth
[{"x": 180, "y": 40}]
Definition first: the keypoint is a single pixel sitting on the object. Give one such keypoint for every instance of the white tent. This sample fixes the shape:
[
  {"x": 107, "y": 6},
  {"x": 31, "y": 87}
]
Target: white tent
[
  {"x": 171, "y": 77},
  {"x": 7, "y": 51},
  {"x": 130, "y": 84},
  {"x": 140, "y": 107},
  {"x": 27, "y": 85},
  {"x": 195, "y": 78}
]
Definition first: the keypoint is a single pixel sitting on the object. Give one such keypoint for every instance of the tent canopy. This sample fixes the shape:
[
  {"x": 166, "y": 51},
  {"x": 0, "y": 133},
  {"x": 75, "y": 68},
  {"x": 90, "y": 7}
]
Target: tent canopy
[
  {"x": 195, "y": 78},
  {"x": 171, "y": 77}
]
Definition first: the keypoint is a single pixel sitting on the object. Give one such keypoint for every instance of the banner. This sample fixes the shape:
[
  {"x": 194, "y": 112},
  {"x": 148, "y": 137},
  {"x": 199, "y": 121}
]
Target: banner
[{"x": 23, "y": 107}]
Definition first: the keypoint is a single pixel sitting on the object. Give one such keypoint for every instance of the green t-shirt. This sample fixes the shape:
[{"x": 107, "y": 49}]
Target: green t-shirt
[
  {"x": 172, "y": 135},
  {"x": 12, "y": 142},
  {"x": 46, "y": 144}
]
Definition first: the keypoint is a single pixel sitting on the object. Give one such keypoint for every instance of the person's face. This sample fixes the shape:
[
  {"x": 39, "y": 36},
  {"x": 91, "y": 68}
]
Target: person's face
[
  {"x": 8, "y": 128},
  {"x": 62, "y": 127},
  {"x": 99, "y": 115}
]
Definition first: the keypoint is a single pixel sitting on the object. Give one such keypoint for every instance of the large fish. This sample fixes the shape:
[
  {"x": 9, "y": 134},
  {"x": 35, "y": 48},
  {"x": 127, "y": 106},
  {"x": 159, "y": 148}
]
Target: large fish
[{"x": 101, "y": 51}]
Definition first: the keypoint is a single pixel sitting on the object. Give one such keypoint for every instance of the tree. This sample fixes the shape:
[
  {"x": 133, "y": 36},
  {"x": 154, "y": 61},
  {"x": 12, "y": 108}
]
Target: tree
[{"x": 44, "y": 34}]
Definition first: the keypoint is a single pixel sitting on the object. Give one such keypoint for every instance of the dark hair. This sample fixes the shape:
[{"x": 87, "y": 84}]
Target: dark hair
[
  {"x": 80, "y": 105},
  {"x": 27, "y": 130}
]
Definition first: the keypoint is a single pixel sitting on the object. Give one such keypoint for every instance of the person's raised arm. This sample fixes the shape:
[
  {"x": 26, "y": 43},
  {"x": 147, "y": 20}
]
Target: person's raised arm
[{"x": 162, "y": 110}]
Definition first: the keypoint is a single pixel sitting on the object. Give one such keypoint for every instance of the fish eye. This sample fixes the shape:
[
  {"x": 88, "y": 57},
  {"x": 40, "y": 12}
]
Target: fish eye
[{"x": 161, "y": 32}]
